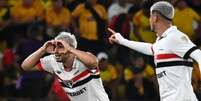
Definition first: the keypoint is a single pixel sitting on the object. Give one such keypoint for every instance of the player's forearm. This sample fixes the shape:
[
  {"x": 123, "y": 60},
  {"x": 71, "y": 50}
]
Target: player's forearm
[
  {"x": 87, "y": 58},
  {"x": 32, "y": 60},
  {"x": 196, "y": 55},
  {"x": 142, "y": 47}
]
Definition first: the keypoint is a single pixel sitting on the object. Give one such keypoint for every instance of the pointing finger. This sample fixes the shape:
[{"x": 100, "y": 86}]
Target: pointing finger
[{"x": 110, "y": 30}]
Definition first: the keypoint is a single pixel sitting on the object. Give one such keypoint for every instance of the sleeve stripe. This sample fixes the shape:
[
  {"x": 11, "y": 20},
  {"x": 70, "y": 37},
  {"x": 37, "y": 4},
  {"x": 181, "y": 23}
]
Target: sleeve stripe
[{"x": 187, "y": 55}]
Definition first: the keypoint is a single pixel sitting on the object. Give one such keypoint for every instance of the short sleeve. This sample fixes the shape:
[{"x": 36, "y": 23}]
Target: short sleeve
[
  {"x": 45, "y": 64},
  {"x": 83, "y": 67},
  {"x": 181, "y": 45}
]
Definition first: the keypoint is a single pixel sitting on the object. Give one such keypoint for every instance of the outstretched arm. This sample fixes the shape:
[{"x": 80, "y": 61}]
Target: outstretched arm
[{"x": 145, "y": 48}]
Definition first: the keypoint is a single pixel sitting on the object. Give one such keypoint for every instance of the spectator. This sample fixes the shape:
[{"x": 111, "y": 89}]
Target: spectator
[
  {"x": 138, "y": 86},
  {"x": 58, "y": 16},
  {"x": 137, "y": 61},
  {"x": 121, "y": 24},
  {"x": 26, "y": 85},
  {"x": 91, "y": 18},
  {"x": 9, "y": 71},
  {"x": 141, "y": 20},
  {"x": 184, "y": 15},
  {"x": 134, "y": 35},
  {"x": 4, "y": 13},
  {"x": 108, "y": 74},
  {"x": 27, "y": 11},
  {"x": 118, "y": 7}
]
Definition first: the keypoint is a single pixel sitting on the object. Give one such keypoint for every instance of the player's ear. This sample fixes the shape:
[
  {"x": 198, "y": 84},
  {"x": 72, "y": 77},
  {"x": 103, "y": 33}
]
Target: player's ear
[{"x": 154, "y": 18}]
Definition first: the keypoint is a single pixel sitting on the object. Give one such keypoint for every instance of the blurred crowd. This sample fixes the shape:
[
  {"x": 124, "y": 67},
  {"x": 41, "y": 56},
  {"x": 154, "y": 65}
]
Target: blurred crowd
[{"x": 127, "y": 75}]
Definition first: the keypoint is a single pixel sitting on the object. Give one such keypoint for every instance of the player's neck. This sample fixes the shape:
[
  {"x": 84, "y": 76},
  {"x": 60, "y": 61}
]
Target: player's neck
[
  {"x": 68, "y": 63},
  {"x": 162, "y": 28}
]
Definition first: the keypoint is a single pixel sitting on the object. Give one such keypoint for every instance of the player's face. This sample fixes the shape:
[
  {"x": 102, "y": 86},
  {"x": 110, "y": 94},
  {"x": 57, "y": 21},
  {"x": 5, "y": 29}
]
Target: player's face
[
  {"x": 60, "y": 57},
  {"x": 59, "y": 53}
]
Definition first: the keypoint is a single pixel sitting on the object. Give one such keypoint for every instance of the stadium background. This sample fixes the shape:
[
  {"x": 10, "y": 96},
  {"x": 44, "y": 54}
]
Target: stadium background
[{"x": 127, "y": 75}]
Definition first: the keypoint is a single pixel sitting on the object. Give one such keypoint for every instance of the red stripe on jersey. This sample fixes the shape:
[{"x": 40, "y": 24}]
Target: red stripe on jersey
[
  {"x": 166, "y": 56},
  {"x": 83, "y": 74},
  {"x": 39, "y": 67}
]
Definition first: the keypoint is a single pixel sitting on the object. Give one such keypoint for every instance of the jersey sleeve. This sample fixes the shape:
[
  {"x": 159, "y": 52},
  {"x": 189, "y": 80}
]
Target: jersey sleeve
[
  {"x": 83, "y": 67},
  {"x": 181, "y": 45},
  {"x": 45, "y": 64}
]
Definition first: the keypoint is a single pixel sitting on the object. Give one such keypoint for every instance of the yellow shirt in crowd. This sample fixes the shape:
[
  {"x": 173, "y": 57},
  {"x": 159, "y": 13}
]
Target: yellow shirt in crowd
[
  {"x": 142, "y": 23},
  {"x": 58, "y": 19},
  {"x": 109, "y": 74},
  {"x": 148, "y": 72},
  {"x": 22, "y": 14},
  {"x": 183, "y": 19},
  {"x": 87, "y": 23},
  {"x": 3, "y": 11}
]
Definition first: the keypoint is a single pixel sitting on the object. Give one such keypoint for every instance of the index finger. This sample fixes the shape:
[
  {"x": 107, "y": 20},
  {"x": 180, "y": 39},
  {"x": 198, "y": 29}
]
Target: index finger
[{"x": 111, "y": 30}]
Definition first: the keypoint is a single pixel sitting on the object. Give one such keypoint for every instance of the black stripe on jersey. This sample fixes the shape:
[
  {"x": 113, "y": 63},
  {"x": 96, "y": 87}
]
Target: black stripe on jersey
[
  {"x": 174, "y": 63},
  {"x": 79, "y": 83},
  {"x": 187, "y": 55}
]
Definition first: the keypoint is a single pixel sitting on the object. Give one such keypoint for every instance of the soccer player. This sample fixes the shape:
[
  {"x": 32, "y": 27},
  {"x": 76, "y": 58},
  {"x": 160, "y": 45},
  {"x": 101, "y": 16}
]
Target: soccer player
[
  {"x": 76, "y": 70},
  {"x": 173, "y": 52}
]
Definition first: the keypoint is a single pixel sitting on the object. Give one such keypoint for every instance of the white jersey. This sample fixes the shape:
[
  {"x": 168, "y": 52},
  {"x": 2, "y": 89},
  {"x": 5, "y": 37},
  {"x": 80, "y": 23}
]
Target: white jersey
[
  {"x": 173, "y": 65},
  {"x": 80, "y": 84}
]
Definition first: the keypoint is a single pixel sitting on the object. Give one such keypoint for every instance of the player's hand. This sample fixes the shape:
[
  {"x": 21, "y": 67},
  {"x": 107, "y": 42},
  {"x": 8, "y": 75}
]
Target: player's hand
[
  {"x": 115, "y": 37},
  {"x": 63, "y": 47},
  {"x": 49, "y": 46}
]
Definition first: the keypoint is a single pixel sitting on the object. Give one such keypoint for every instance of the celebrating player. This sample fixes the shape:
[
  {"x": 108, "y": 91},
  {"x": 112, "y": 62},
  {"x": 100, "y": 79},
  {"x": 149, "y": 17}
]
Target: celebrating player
[
  {"x": 173, "y": 52},
  {"x": 76, "y": 70}
]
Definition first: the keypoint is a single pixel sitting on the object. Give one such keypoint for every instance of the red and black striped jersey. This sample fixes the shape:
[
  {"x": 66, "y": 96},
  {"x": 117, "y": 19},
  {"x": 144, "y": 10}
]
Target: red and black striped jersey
[
  {"x": 80, "y": 84},
  {"x": 174, "y": 65}
]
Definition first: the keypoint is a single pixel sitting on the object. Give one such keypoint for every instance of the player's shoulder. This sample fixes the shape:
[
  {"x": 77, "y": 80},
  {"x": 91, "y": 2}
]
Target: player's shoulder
[
  {"x": 79, "y": 64},
  {"x": 178, "y": 36},
  {"x": 175, "y": 33}
]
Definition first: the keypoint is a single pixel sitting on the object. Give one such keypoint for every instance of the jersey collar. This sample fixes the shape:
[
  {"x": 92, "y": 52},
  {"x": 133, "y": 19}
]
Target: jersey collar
[{"x": 168, "y": 31}]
